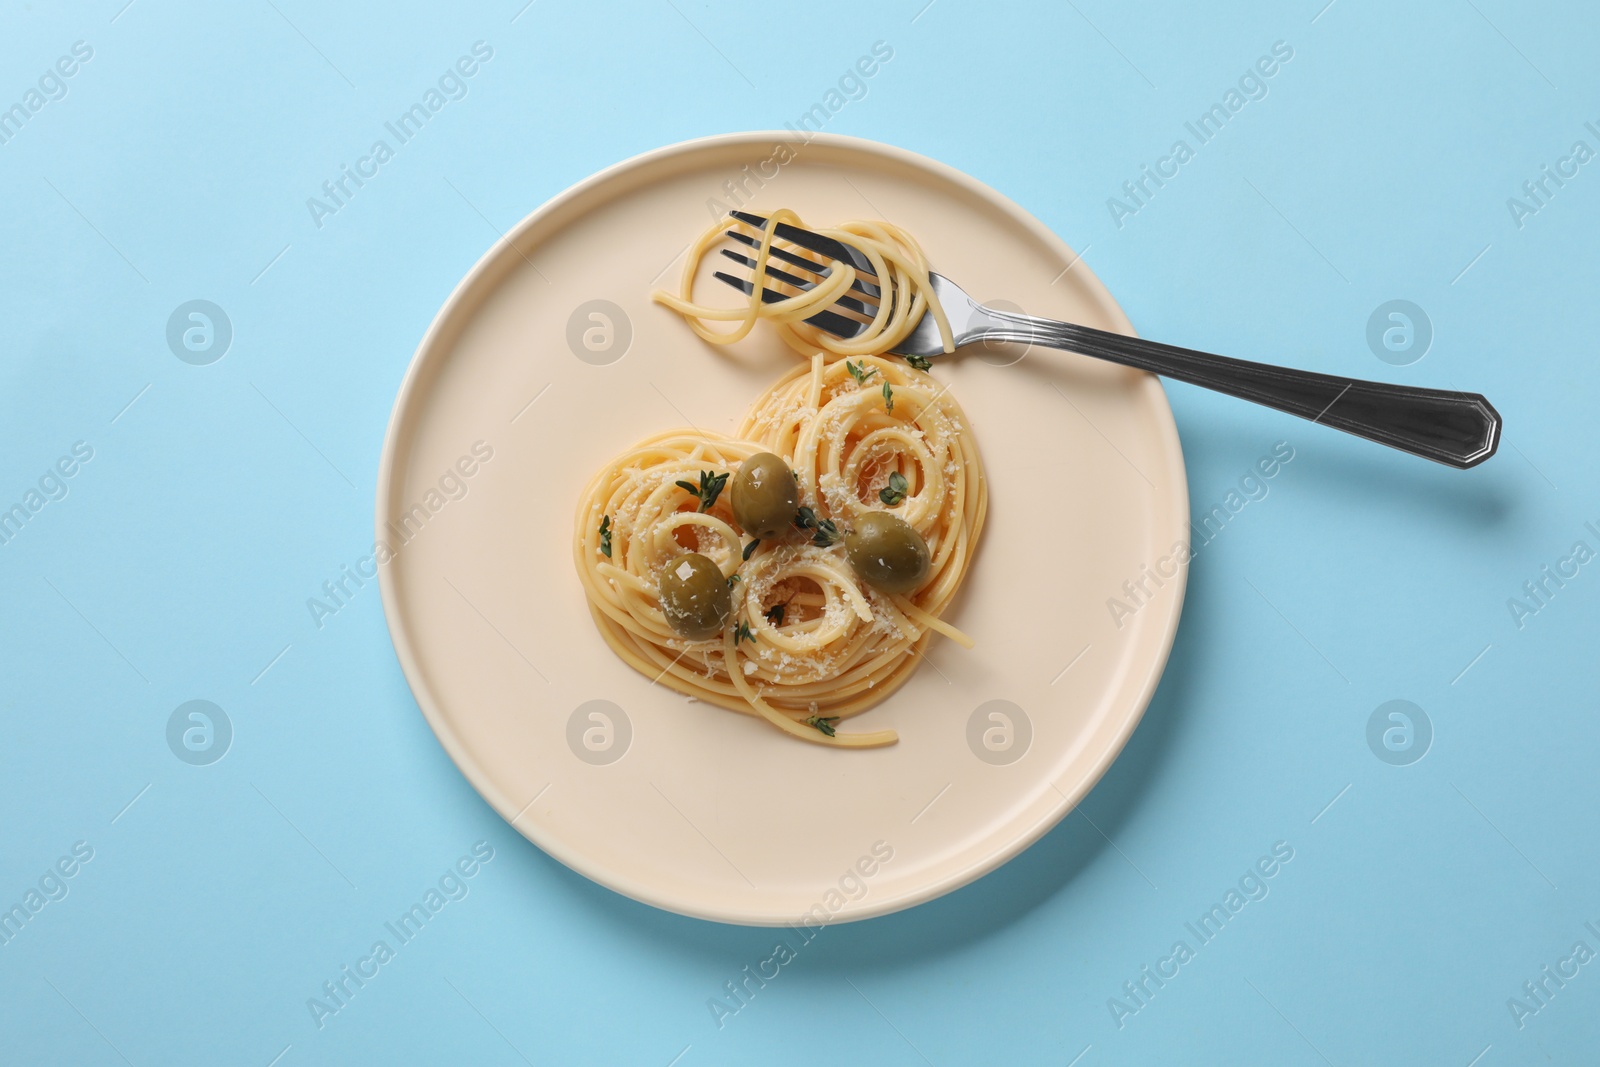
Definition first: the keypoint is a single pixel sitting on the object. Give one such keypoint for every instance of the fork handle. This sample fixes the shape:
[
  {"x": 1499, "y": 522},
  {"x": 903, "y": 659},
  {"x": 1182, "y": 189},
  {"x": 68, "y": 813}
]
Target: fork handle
[{"x": 1457, "y": 429}]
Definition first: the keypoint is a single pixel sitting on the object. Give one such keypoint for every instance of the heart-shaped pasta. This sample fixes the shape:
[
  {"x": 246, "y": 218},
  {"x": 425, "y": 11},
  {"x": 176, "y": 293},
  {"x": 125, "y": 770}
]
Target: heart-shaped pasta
[{"x": 807, "y": 641}]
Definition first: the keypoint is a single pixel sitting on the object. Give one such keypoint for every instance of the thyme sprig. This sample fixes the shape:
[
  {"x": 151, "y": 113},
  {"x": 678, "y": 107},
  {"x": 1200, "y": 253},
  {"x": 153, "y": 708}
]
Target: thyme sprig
[
  {"x": 896, "y": 490},
  {"x": 858, "y": 373},
  {"x": 707, "y": 491},
  {"x": 823, "y": 531}
]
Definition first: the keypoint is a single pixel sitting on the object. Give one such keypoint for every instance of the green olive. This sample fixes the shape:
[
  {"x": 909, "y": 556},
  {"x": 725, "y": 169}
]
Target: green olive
[
  {"x": 765, "y": 495},
  {"x": 887, "y": 552},
  {"x": 695, "y": 597}
]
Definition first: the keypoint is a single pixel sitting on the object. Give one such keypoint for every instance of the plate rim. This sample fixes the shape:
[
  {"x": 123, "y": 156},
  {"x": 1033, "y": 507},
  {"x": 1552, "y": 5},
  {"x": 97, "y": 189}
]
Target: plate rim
[{"x": 427, "y": 351}]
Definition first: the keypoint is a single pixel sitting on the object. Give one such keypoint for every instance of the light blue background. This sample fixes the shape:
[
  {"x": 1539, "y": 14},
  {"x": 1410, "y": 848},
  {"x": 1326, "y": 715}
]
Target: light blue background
[{"x": 178, "y": 567}]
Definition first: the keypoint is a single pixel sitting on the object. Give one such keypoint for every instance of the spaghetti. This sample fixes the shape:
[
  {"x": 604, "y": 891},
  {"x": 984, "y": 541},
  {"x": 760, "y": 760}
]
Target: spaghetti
[
  {"x": 807, "y": 642},
  {"x": 896, "y": 258}
]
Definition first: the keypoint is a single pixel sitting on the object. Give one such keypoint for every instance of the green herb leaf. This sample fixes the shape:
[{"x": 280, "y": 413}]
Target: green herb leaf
[
  {"x": 708, "y": 490},
  {"x": 743, "y": 633},
  {"x": 734, "y": 577},
  {"x": 920, "y": 362},
  {"x": 896, "y": 492},
  {"x": 824, "y": 532},
  {"x": 774, "y": 614},
  {"x": 858, "y": 373},
  {"x": 605, "y": 536},
  {"x": 825, "y": 725},
  {"x": 888, "y": 397},
  {"x": 750, "y": 549}
]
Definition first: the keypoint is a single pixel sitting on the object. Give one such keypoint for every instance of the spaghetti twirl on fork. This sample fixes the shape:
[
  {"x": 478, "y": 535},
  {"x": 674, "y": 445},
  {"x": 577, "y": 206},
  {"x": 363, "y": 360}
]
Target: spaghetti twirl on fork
[{"x": 902, "y": 276}]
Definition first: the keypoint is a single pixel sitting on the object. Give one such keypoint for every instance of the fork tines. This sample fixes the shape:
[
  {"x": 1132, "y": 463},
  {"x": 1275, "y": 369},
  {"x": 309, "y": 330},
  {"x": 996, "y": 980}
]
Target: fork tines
[
  {"x": 815, "y": 242},
  {"x": 831, "y": 321},
  {"x": 783, "y": 255},
  {"x": 774, "y": 273}
]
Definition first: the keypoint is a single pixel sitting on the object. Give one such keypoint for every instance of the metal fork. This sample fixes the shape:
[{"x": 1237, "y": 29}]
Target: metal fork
[{"x": 1457, "y": 429}]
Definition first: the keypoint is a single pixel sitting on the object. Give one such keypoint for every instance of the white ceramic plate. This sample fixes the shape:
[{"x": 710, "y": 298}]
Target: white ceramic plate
[{"x": 693, "y": 808}]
